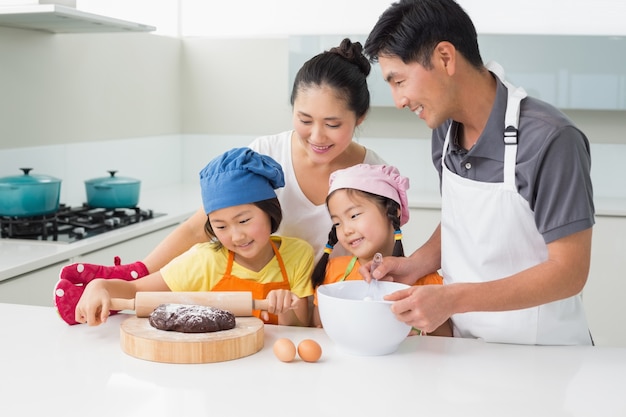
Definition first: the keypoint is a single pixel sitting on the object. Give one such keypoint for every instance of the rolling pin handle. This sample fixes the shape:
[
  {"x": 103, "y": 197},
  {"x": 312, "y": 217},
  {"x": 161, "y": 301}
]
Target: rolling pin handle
[
  {"x": 122, "y": 304},
  {"x": 260, "y": 305}
]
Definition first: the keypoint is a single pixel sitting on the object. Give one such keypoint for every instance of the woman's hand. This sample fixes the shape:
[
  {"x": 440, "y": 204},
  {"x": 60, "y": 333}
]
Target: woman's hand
[{"x": 94, "y": 305}]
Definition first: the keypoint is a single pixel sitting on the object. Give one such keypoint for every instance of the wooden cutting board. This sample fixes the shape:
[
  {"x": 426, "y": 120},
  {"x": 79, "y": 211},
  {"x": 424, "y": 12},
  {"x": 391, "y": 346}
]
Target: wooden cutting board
[{"x": 139, "y": 339}]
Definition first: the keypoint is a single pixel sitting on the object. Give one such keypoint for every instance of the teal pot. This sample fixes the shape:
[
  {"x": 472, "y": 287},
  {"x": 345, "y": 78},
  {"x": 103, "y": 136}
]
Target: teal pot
[
  {"x": 29, "y": 195},
  {"x": 112, "y": 192}
]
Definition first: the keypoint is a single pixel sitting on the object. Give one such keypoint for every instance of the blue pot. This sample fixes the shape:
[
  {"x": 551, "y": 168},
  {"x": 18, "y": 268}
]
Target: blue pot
[
  {"x": 29, "y": 195},
  {"x": 112, "y": 192}
]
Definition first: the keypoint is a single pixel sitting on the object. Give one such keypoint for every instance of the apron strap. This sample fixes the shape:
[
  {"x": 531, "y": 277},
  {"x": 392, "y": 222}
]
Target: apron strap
[
  {"x": 511, "y": 122},
  {"x": 349, "y": 268},
  {"x": 279, "y": 258}
]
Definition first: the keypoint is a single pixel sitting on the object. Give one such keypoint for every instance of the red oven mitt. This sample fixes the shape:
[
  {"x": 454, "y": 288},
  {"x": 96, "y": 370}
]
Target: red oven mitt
[{"x": 73, "y": 279}]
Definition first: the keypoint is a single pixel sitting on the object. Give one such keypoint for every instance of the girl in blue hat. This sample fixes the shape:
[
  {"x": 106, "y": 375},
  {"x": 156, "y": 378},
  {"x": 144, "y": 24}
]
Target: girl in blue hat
[{"x": 242, "y": 212}]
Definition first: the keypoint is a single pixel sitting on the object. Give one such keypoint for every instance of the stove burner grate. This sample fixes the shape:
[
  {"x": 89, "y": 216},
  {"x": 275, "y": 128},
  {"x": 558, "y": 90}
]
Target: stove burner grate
[
  {"x": 70, "y": 224},
  {"x": 44, "y": 226}
]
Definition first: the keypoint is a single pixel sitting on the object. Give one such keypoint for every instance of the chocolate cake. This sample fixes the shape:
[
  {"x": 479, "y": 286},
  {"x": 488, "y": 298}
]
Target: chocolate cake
[{"x": 191, "y": 318}]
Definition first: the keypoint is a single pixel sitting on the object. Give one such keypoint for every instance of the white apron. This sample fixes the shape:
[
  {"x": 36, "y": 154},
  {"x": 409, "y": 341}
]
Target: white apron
[{"x": 488, "y": 232}]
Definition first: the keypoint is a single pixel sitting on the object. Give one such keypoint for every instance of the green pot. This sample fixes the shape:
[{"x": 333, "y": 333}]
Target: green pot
[{"x": 29, "y": 195}]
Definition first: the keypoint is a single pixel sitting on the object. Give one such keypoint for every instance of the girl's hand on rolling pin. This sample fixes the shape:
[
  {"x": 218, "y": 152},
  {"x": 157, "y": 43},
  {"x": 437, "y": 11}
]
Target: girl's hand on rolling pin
[
  {"x": 94, "y": 305},
  {"x": 280, "y": 301}
]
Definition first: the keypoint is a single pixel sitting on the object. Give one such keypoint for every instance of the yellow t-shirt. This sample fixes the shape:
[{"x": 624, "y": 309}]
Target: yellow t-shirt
[{"x": 201, "y": 267}]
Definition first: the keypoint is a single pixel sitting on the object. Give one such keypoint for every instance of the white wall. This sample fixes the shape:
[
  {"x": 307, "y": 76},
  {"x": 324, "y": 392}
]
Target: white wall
[
  {"x": 567, "y": 17},
  {"x": 70, "y": 88},
  {"x": 162, "y": 14},
  {"x": 245, "y": 18},
  {"x": 284, "y": 17},
  {"x": 84, "y": 87},
  {"x": 235, "y": 86}
]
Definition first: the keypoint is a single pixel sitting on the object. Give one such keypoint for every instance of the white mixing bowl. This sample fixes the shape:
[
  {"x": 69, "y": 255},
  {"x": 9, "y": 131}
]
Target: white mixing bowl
[{"x": 359, "y": 326}]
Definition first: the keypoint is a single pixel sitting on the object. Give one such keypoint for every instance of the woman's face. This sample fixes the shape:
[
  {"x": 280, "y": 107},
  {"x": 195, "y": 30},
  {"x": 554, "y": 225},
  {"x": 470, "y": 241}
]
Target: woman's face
[
  {"x": 362, "y": 226},
  {"x": 323, "y": 123},
  {"x": 244, "y": 230}
]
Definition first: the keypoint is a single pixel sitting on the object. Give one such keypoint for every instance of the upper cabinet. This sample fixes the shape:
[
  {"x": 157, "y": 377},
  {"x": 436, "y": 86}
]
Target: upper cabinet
[
  {"x": 55, "y": 18},
  {"x": 571, "y": 72}
]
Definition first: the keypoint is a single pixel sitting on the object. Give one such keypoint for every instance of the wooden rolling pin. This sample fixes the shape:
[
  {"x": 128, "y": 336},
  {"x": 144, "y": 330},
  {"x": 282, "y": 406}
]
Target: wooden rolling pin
[{"x": 240, "y": 303}]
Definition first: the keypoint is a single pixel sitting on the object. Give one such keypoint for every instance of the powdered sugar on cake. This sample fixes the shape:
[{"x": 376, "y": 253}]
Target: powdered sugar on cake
[{"x": 191, "y": 318}]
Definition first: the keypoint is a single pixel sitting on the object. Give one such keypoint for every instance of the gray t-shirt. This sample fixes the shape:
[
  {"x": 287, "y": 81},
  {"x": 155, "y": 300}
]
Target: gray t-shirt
[{"x": 553, "y": 163}]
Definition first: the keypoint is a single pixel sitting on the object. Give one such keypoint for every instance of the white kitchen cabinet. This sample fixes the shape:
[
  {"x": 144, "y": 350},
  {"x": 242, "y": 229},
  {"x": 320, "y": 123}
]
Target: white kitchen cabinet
[
  {"x": 129, "y": 251},
  {"x": 605, "y": 291},
  {"x": 420, "y": 227},
  {"x": 36, "y": 288}
]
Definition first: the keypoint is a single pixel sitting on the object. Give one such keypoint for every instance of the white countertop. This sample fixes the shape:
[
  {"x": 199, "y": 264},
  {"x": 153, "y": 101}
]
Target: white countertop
[
  {"x": 20, "y": 256},
  {"x": 49, "y": 367},
  {"x": 610, "y": 206}
]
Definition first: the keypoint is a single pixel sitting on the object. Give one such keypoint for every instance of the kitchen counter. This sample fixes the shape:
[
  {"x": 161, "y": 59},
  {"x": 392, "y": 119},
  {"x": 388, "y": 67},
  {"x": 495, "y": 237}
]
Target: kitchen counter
[
  {"x": 605, "y": 206},
  {"x": 610, "y": 206},
  {"x": 49, "y": 367},
  {"x": 178, "y": 202},
  {"x": 20, "y": 256}
]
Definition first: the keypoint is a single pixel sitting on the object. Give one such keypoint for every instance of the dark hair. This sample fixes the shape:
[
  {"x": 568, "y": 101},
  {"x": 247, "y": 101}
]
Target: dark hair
[
  {"x": 344, "y": 69},
  {"x": 411, "y": 29},
  {"x": 387, "y": 205},
  {"x": 271, "y": 207}
]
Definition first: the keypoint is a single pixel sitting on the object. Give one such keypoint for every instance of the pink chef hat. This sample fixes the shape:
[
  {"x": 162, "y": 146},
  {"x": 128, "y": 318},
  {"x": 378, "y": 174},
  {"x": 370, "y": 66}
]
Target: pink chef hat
[{"x": 383, "y": 180}]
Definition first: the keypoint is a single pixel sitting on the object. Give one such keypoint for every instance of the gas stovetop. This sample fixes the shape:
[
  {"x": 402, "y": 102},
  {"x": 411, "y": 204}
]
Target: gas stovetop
[{"x": 71, "y": 224}]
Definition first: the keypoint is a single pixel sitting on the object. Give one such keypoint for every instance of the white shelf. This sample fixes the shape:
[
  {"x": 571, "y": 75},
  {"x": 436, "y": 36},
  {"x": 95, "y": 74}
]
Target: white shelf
[{"x": 61, "y": 19}]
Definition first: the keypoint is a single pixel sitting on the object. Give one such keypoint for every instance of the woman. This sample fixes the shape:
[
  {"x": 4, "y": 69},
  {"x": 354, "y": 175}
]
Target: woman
[{"x": 330, "y": 99}]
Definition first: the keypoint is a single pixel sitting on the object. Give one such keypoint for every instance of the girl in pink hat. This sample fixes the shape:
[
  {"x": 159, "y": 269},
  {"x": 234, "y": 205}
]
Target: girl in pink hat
[{"x": 368, "y": 206}]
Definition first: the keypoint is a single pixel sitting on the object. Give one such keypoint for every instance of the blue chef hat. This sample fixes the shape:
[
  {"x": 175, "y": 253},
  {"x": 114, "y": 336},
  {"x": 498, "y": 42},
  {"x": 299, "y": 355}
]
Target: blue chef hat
[{"x": 239, "y": 176}]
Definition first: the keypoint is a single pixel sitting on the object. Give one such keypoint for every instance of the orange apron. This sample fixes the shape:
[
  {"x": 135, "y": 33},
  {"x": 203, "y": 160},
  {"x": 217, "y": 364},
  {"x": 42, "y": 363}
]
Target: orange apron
[{"x": 259, "y": 291}]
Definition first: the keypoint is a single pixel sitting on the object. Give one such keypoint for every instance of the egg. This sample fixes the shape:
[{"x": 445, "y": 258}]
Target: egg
[
  {"x": 285, "y": 350},
  {"x": 309, "y": 350}
]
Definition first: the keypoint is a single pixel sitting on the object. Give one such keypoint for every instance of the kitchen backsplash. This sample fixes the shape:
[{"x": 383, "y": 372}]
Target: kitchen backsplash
[
  {"x": 153, "y": 160},
  {"x": 412, "y": 157},
  {"x": 167, "y": 160}
]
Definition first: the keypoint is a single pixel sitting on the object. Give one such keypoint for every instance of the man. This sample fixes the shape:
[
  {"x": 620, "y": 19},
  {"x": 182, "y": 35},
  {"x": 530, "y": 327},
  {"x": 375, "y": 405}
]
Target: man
[{"x": 514, "y": 242}]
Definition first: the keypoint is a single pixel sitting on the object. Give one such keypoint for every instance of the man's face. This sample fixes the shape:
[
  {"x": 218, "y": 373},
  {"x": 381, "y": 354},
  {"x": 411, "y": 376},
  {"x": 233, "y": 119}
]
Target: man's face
[{"x": 423, "y": 91}]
